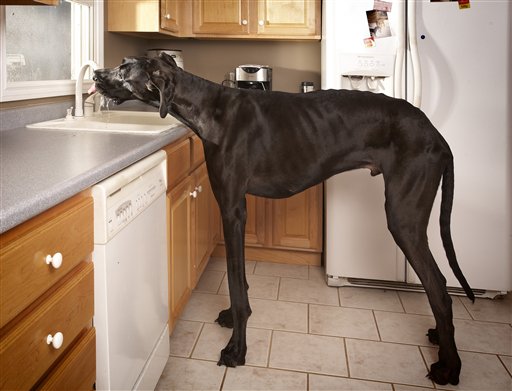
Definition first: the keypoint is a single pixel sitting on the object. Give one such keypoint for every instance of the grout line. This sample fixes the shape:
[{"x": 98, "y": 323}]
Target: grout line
[
  {"x": 346, "y": 356},
  {"x": 401, "y": 302},
  {"x": 426, "y": 365},
  {"x": 194, "y": 345},
  {"x": 503, "y": 363},
  {"x": 270, "y": 348},
  {"x": 223, "y": 379},
  {"x": 376, "y": 325}
]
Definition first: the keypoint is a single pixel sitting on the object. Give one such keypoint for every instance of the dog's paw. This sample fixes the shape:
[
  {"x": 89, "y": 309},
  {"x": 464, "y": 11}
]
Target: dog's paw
[
  {"x": 230, "y": 356},
  {"x": 442, "y": 374},
  {"x": 433, "y": 336},
  {"x": 225, "y": 318}
]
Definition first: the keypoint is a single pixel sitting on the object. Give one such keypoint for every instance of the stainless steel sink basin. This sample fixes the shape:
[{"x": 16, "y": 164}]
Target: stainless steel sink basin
[{"x": 133, "y": 122}]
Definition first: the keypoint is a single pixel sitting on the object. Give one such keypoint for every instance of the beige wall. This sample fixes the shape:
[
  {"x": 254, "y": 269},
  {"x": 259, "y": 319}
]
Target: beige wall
[{"x": 291, "y": 62}]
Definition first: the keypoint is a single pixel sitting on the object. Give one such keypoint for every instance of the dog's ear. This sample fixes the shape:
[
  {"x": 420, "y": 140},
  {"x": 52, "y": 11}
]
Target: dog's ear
[
  {"x": 165, "y": 90},
  {"x": 168, "y": 59}
]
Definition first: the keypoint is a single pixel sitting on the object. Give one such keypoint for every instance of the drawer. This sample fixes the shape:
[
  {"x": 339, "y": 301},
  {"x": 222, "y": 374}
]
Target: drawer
[
  {"x": 24, "y": 353},
  {"x": 197, "y": 151},
  {"x": 77, "y": 370},
  {"x": 178, "y": 162},
  {"x": 24, "y": 273}
]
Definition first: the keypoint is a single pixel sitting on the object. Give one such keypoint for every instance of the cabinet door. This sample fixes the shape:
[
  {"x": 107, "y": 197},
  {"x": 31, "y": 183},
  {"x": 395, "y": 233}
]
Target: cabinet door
[
  {"x": 255, "y": 224},
  {"x": 201, "y": 229},
  {"x": 297, "y": 220},
  {"x": 295, "y": 17},
  {"x": 179, "y": 230},
  {"x": 169, "y": 15},
  {"x": 220, "y": 17}
]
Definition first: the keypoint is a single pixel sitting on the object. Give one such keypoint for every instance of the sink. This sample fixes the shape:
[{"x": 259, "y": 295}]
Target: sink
[{"x": 132, "y": 122}]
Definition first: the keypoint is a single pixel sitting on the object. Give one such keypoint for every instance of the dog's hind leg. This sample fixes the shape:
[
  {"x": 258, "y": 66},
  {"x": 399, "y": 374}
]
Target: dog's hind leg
[
  {"x": 233, "y": 220},
  {"x": 408, "y": 205}
]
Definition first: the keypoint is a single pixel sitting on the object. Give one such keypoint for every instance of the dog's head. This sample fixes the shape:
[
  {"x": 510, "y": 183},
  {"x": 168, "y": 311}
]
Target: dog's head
[{"x": 150, "y": 80}]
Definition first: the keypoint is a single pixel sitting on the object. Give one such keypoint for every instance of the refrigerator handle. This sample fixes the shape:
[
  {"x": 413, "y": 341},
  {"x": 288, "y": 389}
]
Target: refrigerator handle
[
  {"x": 415, "y": 57},
  {"x": 400, "y": 54}
]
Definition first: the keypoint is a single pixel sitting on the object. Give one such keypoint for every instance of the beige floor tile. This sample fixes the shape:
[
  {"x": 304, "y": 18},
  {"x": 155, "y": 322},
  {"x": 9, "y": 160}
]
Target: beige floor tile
[
  {"x": 308, "y": 353},
  {"x": 263, "y": 379},
  {"x": 282, "y": 270},
  {"x": 279, "y": 315},
  {"x": 317, "y": 273},
  {"x": 386, "y": 362},
  {"x": 193, "y": 375},
  {"x": 210, "y": 281},
  {"x": 373, "y": 299},
  {"x": 342, "y": 322},
  {"x": 309, "y": 291},
  {"x": 204, "y": 307},
  {"x": 261, "y": 287},
  {"x": 214, "y": 338},
  {"x": 183, "y": 337},
  {"x": 480, "y": 372},
  {"x": 330, "y": 383},
  {"x": 497, "y": 310},
  {"x": 484, "y": 337},
  {"x": 404, "y": 328},
  {"x": 417, "y": 303}
]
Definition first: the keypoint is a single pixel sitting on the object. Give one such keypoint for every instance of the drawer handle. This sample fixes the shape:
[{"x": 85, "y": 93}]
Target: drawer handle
[
  {"x": 55, "y": 261},
  {"x": 55, "y": 340}
]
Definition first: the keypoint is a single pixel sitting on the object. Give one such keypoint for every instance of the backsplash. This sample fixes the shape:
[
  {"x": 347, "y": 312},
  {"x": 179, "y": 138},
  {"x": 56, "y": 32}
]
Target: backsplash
[
  {"x": 291, "y": 62},
  {"x": 20, "y": 116}
]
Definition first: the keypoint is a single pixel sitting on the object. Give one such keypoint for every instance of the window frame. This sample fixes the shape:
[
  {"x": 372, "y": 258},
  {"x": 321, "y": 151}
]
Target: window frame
[{"x": 23, "y": 90}]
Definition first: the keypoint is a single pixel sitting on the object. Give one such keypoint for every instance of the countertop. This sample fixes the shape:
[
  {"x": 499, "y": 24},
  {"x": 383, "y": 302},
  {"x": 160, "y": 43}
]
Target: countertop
[{"x": 41, "y": 168}]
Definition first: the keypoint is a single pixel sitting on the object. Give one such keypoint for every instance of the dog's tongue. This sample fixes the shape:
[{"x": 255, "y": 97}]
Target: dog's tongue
[{"x": 92, "y": 89}]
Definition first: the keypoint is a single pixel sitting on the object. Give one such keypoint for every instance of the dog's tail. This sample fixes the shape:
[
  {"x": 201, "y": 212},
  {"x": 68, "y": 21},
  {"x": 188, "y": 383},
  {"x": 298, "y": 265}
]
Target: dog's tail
[{"x": 445, "y": 222}]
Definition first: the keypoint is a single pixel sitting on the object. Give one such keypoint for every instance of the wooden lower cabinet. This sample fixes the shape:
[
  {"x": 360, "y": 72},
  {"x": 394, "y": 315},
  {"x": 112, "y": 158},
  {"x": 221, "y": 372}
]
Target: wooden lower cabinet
[
  {"x": 77, "y": 369},
  {"x": 53, "y": 298},
  {"x": 287, "y": 230},
  {"x": 193, "y": 222},
  {"x": 178, "y": 209}
]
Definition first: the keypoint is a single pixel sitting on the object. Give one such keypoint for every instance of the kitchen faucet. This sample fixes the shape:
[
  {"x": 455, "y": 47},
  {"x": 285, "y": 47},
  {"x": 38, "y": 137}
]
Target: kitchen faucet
[{"x": 79, "y": 108}]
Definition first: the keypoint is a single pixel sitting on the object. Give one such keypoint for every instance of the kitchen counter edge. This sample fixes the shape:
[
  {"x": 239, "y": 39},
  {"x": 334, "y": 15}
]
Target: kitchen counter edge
[{"x": 31, "y": 205}]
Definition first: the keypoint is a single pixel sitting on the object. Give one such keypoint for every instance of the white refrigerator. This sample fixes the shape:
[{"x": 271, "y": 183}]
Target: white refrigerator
[{"x": 452, "y": 60}]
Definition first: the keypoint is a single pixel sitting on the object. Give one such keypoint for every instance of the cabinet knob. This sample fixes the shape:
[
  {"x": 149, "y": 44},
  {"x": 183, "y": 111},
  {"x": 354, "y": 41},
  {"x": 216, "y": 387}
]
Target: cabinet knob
[
  {"x": 244, "y": 22},
  {"x": 167, "y": 16},
  {"x": 55, "y": 260},
  {"x": 261, "y": 22},
  {"x": 199, "y": 188},
  {"x": 193, "y": 194},
  {"x": 55, "y": 340}
]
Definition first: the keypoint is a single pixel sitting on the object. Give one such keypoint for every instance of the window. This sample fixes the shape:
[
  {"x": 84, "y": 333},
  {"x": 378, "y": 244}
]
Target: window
[{"x": 43, "y": 47}]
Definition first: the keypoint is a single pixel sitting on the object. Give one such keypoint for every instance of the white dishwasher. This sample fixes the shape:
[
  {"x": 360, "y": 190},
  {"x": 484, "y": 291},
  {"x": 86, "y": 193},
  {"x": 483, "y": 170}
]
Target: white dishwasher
[{"x": 130, "y": 276}]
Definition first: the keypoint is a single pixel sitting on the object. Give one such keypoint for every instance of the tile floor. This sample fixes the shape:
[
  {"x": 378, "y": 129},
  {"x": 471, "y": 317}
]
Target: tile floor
[{"x": 304, "y": 335}]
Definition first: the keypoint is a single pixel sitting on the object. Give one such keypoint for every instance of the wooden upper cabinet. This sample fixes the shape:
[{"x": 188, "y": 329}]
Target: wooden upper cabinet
[
  {"x": 226, "y": 17},
  {"x": 288, "y": 18},
  {"x": 252, "y": 19},
  {"x": 169, "y": 15}
]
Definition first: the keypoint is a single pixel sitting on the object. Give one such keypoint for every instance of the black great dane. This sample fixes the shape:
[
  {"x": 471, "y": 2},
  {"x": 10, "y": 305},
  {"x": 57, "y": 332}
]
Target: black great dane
[{"x": 276, "y": 144}]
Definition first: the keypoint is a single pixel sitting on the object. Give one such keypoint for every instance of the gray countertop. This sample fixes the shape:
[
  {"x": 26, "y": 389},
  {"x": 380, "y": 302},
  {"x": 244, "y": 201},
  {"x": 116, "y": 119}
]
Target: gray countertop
[{"x": 39, "y": 169}]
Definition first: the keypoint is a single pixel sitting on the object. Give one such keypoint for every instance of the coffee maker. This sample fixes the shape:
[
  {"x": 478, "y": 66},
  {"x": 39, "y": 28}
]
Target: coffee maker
[{"x": 258, "y": 77}]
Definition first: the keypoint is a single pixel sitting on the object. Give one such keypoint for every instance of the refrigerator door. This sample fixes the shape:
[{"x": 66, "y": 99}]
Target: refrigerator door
[
  {"x": 466, "y": 59},
  {"x": 357, "y": 241}
]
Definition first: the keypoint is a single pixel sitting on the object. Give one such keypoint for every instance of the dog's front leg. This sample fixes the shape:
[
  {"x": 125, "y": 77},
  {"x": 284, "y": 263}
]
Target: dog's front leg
[{"x": 233, "y": 220}]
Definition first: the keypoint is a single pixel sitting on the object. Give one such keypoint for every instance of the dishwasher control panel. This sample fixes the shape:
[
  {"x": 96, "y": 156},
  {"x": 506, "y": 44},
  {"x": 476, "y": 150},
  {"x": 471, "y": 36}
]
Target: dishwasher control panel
[
  {"x": 130, "y": 201},
  {"x": 121, "y": 198}
]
